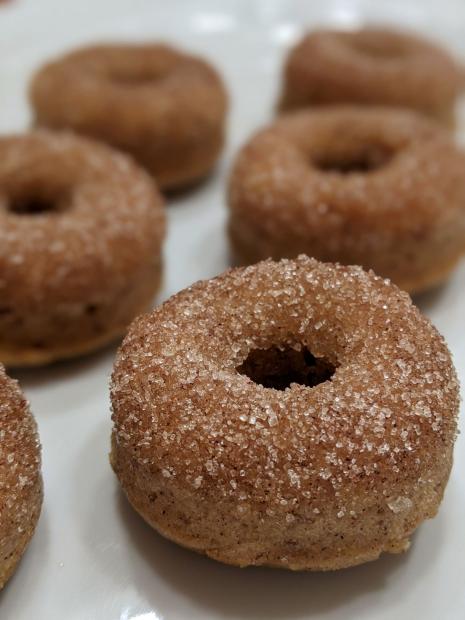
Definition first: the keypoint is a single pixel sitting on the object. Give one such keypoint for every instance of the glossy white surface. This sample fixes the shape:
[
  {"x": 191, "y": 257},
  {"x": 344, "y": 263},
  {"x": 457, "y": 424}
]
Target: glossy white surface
[{"x": 92, "y": 557}]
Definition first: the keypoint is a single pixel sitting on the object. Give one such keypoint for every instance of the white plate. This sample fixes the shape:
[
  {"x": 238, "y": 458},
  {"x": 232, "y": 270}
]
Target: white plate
[{"x": 92, "y": 557}]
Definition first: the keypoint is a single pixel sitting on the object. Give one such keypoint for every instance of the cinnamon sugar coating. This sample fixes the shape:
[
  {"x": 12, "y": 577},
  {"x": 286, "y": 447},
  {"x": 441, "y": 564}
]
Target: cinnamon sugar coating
[
  {"x": 20, "y": 477},
  {"x": 378, "y": 187},
  {"x": 164, "y": 107},
  {"x": 81, "y": 229},
  {"x": 372, "y": 66},
  {"x": 303, "y": 477}
]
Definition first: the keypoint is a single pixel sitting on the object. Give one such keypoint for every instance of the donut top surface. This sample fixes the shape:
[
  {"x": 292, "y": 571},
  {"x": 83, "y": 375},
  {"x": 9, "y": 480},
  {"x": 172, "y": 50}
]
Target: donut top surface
[
  {"x": 19, "y": 455},
  {"x": 373, "y": 66},
  {"x": 183, "y": 406},
  {"x": 387, "y": 171},
  {"x": 74, "y": 214},
  {"x": 150, "y": 88}
]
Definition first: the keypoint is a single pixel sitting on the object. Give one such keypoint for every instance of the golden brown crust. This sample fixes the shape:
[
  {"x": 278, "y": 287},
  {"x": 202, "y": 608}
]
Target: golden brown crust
[
  {"x": 305, "y": 478},
  {"x": 21, "y": 356},
  {"x": 372, "y": 66},
  {"x": 163, "y": 106},
  {"x": 292, "y": 191},
  {"x": 20, "y": 477},
  {"x": 74, "y": 275}
]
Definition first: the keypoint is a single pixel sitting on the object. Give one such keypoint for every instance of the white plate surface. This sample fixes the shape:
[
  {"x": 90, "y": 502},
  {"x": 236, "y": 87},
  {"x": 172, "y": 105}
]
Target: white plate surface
[{"x": 92, "y": 557}]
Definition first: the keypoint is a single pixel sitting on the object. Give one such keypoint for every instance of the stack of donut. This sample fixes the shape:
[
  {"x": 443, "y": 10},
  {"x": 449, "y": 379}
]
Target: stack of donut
[{"x": 291, "y": 413}]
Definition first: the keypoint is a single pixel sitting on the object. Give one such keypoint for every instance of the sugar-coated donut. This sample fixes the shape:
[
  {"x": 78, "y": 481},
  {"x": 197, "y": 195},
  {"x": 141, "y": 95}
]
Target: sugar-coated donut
[
  {"x": 81, "y": 229},
  {"x": 293, "y": 414},
  {"x": 20, "y": 477},
  {"x": 379, "y": 187},
  {"x": 165, "y": 107},
  {"x": 372, "y": 66}
]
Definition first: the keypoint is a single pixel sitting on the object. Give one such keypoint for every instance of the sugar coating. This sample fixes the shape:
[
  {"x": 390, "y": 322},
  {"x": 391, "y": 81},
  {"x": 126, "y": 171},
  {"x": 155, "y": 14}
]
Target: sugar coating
[
  {"x": 20, "y": 477},
  {"x": 382, "y": 427},
  {"x": 404, "y": 217},
  {"x": 371, "y": 65},
  {"x": 81, "y": 228},
  {"x": 107, "y": 219},
  {"x": 165, "y": 107}
]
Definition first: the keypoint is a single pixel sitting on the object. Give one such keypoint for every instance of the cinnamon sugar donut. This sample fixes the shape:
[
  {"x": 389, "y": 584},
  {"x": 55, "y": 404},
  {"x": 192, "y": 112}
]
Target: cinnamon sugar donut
[
  {"x": 372, "y": 66},
  {"x": 293, "y": 414},
  {"x": 378, "y": 187},
  {"x": 81, "y": 229},
  {"x": 20, "y": 477},
  {"x": 163, "y": 106}
]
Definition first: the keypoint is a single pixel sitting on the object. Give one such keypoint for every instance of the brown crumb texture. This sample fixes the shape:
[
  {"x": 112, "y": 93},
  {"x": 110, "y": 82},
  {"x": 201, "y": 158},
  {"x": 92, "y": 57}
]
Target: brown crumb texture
[
  {"x": 382, "y": 188},
  {"x": 372, "y": 66},
  {"x": 81, "y": 229},
  {"x": 302, "y": 477},
  {"x": 20, "y": 477},
  {"x": 165, "y": 107}
]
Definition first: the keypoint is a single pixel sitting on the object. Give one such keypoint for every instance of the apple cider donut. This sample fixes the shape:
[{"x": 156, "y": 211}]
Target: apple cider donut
[
  {"x": 372, "y": 66},
  {"x": 294, "y": 414},
  {"x": 81, "y": 229},
  {"x": 164, "y": 107},
  {"x": 20, "y": 477},
  {"x": 378, "y": 187}
]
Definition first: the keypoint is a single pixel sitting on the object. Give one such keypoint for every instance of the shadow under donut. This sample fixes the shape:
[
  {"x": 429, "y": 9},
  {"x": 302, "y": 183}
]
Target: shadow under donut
[
  {"x": 62, "y": 370},
  {"x": 255, "y": 592},
  {"x": 427, "y": 300},
  {"x": 137, "y": 562}
]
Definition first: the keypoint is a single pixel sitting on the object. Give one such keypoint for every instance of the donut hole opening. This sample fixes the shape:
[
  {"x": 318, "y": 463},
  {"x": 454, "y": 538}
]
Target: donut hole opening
[
  {"x": 37, "y": 202},
  {"x": 361, "y": 162},
  {"x": 279, "y": 367},
  {"x": 132, "y": 77},
  {"x": 377, "y": 46},
  {"x": 31, "y": 206}
]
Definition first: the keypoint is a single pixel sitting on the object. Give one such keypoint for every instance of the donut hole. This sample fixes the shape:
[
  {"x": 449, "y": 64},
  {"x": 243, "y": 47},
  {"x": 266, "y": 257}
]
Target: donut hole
[
  {"x": 279, "y": 367},
  {"x": 32, "y": 206},
  {"x": 378, "y": 47},
  {"x": 37, "y": 201},
  {"x": 363, "y": 161},
  {"x": 135, "y": 76}
]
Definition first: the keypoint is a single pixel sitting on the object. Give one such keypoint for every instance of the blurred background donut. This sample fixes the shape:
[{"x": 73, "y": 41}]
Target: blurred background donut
[
  {"x": 372, "y": 66},
  {"x": 163, "y": 106},
  {"x": 379, "y": 187},
  {"x": 81, "y": 228}
]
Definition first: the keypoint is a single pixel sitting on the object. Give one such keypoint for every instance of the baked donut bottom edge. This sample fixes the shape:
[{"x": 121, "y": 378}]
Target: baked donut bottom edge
[
  {"x": 167, "y": 521},
  {"x": 22, "y": 356},
  {"x": 177, "y": 173},
  {"x": 8, "y": 565},
  {"x": 243, "y": 254},
  {"x": 445, "y": 117}
]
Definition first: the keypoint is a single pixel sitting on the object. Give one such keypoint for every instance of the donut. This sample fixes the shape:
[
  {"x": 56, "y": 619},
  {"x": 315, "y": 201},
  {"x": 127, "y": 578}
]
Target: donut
[
  {"x": 20, "y": 477},
  {"x": 379, "y": 187},
  {"x": 371, "y": 66},
  {"x": 295, "y": 414},
  {"x": 81, "y": 229},
  {"x": 164, "y": 107}
]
